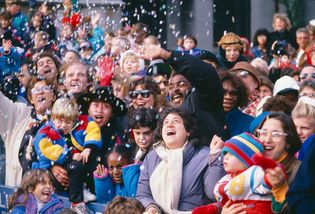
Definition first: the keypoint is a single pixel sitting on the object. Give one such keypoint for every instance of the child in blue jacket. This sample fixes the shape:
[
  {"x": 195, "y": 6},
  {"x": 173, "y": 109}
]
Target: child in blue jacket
[
  {"x": 120, "y": 178},
  {"x": 73, "y": 146},
  {"x": 36, "y": 194}
]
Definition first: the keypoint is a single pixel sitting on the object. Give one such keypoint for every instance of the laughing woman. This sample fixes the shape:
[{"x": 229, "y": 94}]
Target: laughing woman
[
  {"x": 281, "y": 141},
  {"x": 19, "y": 122},
  {"x": 175, "y": 176}
]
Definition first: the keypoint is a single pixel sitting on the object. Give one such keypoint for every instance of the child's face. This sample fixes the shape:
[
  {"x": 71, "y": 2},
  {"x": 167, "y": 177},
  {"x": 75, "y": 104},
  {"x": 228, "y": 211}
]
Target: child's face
[
  {"x": 13, "y": 8},
  {"x": 232, "y": 164},
  {"x": 63, "y": 124},
  {"x": 115, "y": 163},
  {"x": 66, "y": 31},
  {"x": 131, "y": 65},
  {"x": 101, "y": 112},
  {"x": 143, "y": 137},
  {"x": 39, "y": 42},
  {"x": 43, "y": 189},
  {"x": 4, "y": 23},
  {"x": 36, "y": 21},
  {"x": 189, "y": 44}
]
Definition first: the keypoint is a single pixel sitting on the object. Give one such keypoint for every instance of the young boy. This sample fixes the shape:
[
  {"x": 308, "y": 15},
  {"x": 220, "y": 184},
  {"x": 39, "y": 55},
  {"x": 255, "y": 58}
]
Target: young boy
[
  {"x": 143, "y": 123},
  {"x": 245, "y": 181},
  {"x": 71, "y": 141}
]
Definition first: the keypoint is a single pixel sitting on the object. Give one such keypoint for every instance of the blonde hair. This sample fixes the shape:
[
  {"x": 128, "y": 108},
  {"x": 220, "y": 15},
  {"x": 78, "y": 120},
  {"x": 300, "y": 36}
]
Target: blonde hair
[
  {"x": 128, "y": 55},
  {"x": 283, "y": 17},
  {"x": 65, "y": 108},
  {"x": 304, "y": 109}
]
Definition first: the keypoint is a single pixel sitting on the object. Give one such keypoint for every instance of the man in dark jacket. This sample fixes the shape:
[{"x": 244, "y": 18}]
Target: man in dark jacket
[{"x": 194, "y": 86}]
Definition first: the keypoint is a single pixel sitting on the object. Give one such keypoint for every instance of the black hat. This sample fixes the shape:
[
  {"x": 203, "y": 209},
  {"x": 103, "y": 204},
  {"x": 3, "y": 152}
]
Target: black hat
[
  {"x": 207, "y": 55},
  {"x": 104, "y": 94}
]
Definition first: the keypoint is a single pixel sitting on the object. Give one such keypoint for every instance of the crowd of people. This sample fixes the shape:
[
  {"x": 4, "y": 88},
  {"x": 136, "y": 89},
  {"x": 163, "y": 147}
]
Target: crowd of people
[{"x": 112, "y": 117}]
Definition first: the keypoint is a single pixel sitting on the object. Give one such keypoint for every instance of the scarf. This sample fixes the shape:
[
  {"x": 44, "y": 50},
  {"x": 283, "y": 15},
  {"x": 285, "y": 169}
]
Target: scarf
[{"x": 166, "y": 179}]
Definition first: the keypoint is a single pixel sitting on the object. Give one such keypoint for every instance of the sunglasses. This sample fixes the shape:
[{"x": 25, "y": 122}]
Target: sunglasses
[
  {"x": 242, "y": 74},
  {"x": 142, "y": 93},
  {"x": 304, "y": 76},
  {"x": 231, "y": 92},
  {"x": 44, "y": 89}
]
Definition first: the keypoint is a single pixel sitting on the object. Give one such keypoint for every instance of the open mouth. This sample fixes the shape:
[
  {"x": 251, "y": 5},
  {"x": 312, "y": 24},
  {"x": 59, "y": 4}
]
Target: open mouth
[
  {"x": 170, "y": 132},
  {"x": 75, "y": 85},
  {"x": 41, "y": 99},
  {"x": 47, "y": 70}
]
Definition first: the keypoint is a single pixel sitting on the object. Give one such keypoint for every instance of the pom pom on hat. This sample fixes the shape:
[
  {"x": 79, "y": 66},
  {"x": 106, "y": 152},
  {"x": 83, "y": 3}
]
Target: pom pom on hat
[{"x": 243, "y": 147}]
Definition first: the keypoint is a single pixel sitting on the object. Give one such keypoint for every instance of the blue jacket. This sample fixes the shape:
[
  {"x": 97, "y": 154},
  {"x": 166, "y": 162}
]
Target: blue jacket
[
  {"x": 9, "y": 63},
  {"x": 20, "y": 23},
  {"x": 106, "y": 189},
  {"x": 54, "y": 206},
  {"x": 51, "y": 147},
  {"x": 237, "y": 122}
]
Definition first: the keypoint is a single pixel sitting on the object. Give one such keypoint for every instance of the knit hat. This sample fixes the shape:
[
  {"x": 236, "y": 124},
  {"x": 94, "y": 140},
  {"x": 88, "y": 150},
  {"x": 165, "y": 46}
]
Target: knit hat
[
  {"x": 285, "y": 84},
  {"x": 231, "y": 39},
  {"x": 243, "y": 147},
  {"x": 247, "y": 67}
]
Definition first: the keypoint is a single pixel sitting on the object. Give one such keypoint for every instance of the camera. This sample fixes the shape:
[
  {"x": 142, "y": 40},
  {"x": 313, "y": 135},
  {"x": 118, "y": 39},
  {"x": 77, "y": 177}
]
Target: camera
[{"x": 279, "y": 48}]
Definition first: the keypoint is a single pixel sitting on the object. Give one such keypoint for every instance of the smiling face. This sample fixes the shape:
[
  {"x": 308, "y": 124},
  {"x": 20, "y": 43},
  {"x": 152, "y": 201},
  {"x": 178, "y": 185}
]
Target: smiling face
[
  {"x": 42, "y": 97},
  {"x": 174, "y": 133},
  {"x": 231, "y": 53},
  {"x": 178, "y": 89},
  {"x": 304, "y": 127},
  {"x": 232, "y": 164},
  {"x": 280, "y": 24},
  {"x": 115, "y": 163},
  {"x": 141, "y": 100},
  {"x": 44, "y": 189},
  {"x": 76, "y": 78},
  {"x": 101, "y": 112},
  {"x": 63, "y": 124},
  {"x": 274, "y": 147},
  {"x": 46, "y": 68},
  {"x": 143, "y": 137}
]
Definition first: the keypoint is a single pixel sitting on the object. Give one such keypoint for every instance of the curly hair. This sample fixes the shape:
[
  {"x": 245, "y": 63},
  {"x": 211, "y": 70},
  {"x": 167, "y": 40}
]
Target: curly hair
[
  {"x": 242, "y": 94},
  {"x": 144, "y": 117},
  {"x": 124, "y": 205},
  {"x": 279, "y": 103},
  {"x": 189, "y": 123},
  {"x": 261, "y": 32}
]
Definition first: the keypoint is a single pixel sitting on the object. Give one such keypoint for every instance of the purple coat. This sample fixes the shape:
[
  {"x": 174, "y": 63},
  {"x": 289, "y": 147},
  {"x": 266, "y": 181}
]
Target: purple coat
[{"x": 198, "y": 179}]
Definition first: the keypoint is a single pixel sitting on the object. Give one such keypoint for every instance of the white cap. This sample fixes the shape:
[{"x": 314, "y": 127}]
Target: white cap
[{"x": 284, "y": 84}]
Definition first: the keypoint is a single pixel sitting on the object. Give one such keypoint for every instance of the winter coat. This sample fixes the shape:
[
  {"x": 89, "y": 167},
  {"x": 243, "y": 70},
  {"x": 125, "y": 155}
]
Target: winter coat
[
  {"x": 50, "y": 146},
  {"x": 15, "y": 119},
  {"x": 106, "y": 189},
  {"x": 237, "y": 122},
  {"x": 205, "y": 100},
  {"x": 20, "y": 23},
  {"x": 9, "y": 63},
  {"x": 198, "y": 180},
  {"x": 54, "y": 206}
]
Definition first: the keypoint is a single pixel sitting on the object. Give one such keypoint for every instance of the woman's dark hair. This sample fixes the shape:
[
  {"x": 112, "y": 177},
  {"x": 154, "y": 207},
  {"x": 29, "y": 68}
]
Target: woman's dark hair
[
  {"x": 279, "y": 104},
  {"x": 293, "y": 142},
  {"x": 149, "y": 84},
  {"x": 190, "y": 125},
  {"x": 144, "y": 117},
  {"x": 123, "y": 150},
  {"x": 121, "y": 205},
  {"x": 242, "y": 95},
  {"x": 259, "y": 32}
]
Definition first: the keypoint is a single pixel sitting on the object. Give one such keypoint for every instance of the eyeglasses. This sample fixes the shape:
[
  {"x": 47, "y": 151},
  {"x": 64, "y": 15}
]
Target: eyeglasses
[
  {"x": 179, "y": 84},
  {"x": 161, "y": 82},
  {"x": 231, "y": 92},
  {"x": 44, "y": 89},
  {"x": 142, "y": 93},
  {"x": 310, "y": 95},
  {"x": 305, "y": 76},
  {"x": 275, "y": 135},
  {"x": 242, "y": 73}
]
